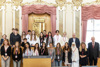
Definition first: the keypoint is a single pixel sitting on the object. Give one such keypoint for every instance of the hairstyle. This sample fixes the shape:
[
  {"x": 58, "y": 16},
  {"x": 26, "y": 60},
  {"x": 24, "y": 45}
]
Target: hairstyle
[
  {"x": 35, "y": 47},
  {"x": 44, "y": 30},
  {"x": 23, "y": 35},
  {"x": 51, "y": 43},
  {"x": 34, "y": 35},
  {"x": 80, "y": 49},
  {"x": 58, "y": 48},
  {"x": 29, "y": 30},
  {"x": 7, "y": 42},
  {"x": 26, "y": 47},
  {"x": 16, "y": 29},
  {"x": 4, "y": 35},
  {"x": 65, "y": 48},
  {"x": 18, "y": 47},
  {"x": 57, "y": 31},
  {"x": 42, "y": 36},
  {"x": 13, "y": 29},
  {"x": 48, "y": 38},
  {"x": 25, "y": 39},
  {"x": 44, "y": 44}
]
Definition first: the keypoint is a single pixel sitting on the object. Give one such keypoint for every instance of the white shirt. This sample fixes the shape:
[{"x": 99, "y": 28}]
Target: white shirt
[
  {"x": 73, "y": 39},
  {"x": 28, "y": 37},
  {"x": 57, "y": 39},
  {"x": 64, "y": 40}
]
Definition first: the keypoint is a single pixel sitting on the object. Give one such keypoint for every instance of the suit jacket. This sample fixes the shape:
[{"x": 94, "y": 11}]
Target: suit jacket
[
  {"x": 93, "y": 52},
  {"x": 77, "y": 41}
]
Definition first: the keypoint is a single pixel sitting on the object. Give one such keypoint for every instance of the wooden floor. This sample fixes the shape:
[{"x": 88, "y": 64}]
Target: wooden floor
[{"x": 98, "y": 64}]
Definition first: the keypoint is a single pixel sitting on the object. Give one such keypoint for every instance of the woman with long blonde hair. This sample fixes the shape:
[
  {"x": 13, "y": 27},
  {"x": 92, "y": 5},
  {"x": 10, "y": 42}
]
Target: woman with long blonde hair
[
  {"x": 17, "y": 55},
  {"x": 5, "y": 54},
  {"x": 83, "y": 54}
]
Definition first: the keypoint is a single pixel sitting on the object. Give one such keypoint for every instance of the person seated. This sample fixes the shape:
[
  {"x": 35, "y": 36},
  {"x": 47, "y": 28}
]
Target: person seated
[
  {"x": 36, "y": 50},
  {"x": 43, "y": 50},
  {"x": 24, "y": 42},
  {"x": 27, "y": 50}
]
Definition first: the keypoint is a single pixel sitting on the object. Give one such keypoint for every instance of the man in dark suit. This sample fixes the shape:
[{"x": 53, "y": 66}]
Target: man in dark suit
[
  {"x": 93, "y": 51},
  {"x": 74, "y": 39}
]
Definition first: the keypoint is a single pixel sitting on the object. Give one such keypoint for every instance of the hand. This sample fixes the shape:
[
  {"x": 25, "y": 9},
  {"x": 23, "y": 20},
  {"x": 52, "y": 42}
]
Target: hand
[
  {"x": 13, "y": 45},
  {"x": 16, "y": 60},
  {"x": 5, "y": 58},
  {"x": 52, "y": 60},
  {"x": 74, "y": 61}
]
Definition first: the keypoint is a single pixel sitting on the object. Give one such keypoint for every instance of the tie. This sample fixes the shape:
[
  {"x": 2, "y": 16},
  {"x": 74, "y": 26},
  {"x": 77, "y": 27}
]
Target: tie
[{"x": 93, "y": 45}]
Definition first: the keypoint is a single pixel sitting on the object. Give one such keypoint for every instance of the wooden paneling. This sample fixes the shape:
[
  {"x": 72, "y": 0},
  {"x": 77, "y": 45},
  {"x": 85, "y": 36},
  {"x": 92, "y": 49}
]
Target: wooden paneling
[{"x": 37, "y": 62}]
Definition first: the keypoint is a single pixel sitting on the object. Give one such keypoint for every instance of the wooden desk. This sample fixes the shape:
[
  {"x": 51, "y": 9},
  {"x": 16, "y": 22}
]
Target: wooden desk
[{"x": 37, "y": 62}]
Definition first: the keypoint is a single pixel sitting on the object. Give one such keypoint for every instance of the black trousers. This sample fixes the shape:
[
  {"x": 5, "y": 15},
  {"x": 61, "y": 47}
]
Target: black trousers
[{"x": 91, "y": 61}]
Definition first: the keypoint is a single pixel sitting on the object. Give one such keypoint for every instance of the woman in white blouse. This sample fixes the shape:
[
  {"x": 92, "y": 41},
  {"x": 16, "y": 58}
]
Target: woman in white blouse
[
  {"x": 34, "y": 39},
  {"x": 36, "y": 50},
  {"x": 27, "y": 50},
  {"x": 64, "y": 39}
]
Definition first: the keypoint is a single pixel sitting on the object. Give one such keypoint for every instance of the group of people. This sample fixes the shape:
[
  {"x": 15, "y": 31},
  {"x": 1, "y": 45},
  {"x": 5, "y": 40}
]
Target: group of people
[{"x": 61, "y": 49}]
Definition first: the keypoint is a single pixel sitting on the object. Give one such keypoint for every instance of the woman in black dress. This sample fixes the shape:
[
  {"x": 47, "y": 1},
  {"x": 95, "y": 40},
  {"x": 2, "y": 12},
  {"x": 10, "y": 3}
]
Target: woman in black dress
[
  {"x": 41, "y": 38},
  {"x": 43, "y": 50},
  {"x": 83, "y": 54}
]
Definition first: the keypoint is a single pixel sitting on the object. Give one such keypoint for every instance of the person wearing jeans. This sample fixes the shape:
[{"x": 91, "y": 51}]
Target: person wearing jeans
[
  {"x": 17, "y": 55},
  {"x": 59, "y": 55},
  {"x": 5, "y": 54}
]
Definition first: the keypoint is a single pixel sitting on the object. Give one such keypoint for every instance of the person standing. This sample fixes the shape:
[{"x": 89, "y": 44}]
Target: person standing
[
  {"x": 93, "y": 51},
  {"x": 27, "y": 50},
  {"x": 4, "y": 37},
  {"x": 11, "y": 36},
  {"x": 16, "y": 37},
  {"x": 28, "y": 36},
  {"x": 59, "y": 55},
  {"x": 43, "y": 50},
  {"x": 41, "y": 38},
  {"x": 49, "y": 39},
  {"x": 5, "y": 54},
  {"x": 23, "y": 36},
  {"x": 75, "y": 55},
  {"x": 67, "y": 55},
  {"x": 51, "y": 53},
  {"x": 57, "y": 38},
  {"x": 83, "y": 54},
  {"x": 74, "y": 39},
  {"x": 64, "y": 39},
  {"x": 36, "y": 50},
  {"x": 17, "y": 55}
]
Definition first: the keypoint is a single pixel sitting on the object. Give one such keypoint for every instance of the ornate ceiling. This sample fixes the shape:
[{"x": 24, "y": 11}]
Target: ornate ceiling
[{"x": 60, "y": 3}]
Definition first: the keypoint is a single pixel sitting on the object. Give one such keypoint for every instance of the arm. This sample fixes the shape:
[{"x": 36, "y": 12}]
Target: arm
[{"x": 98, "y": 50}]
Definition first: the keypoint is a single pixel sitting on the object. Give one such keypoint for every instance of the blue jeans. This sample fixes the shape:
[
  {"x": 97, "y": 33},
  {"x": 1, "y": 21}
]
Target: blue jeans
[{"x": 58, "y": 63}]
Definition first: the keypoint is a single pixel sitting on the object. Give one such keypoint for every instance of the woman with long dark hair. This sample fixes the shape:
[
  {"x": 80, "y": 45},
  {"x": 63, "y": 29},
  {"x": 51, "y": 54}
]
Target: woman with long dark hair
[
  {"x": 67, "y": 54},
  {"x": 49, "y": 39},
  {"x": 23, "y": 36},
  {"x": 36, "y": 50},
  {"x": 41, "y": 38},
  {"x": 59, "y": 55},
  {"x": 27, "y": 50},
  {"x": 43, "y": 50}
]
